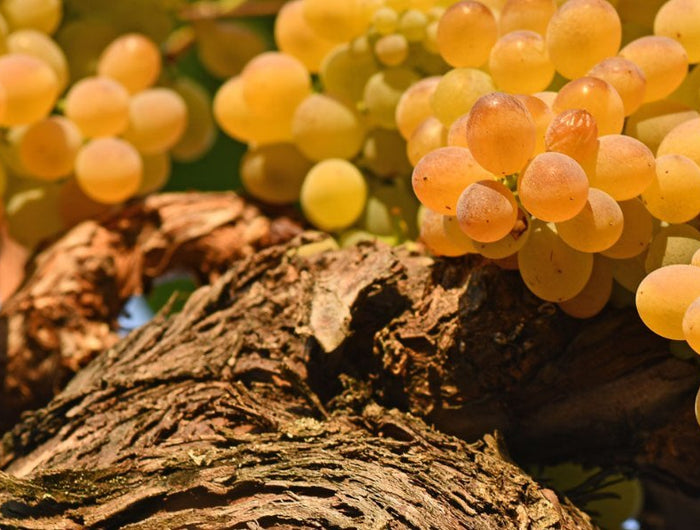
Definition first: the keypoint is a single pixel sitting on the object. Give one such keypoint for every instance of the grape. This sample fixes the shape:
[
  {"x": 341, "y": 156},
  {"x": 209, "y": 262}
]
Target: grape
[
  {"x": 414, "y": 105},
  {"x": 323, "y": 127},
  {"x": 48, "y": 147},
  {"x": 412, "y": 24},
  {"x": 427, "y": 137},
  {"x": 442, "y": 236},
  {"x": 541, "y": 114},
  {"x": 533, "y": 15},
  {"x": 441, "y": 175},
  {"x": 683, "y": 139},
  {"x": 3, "y": 180},
  {"x": 81, "y": 42},
  {"x": 430, "y": 43},
  {"x": 625, "y": 167},
  {"x": 74, "y": 206},
  {"x": 574, "y": 132},
  {"x": 156, "y": 171},
  {"x": 200, "y": 132},
  {"x": 391, "y": 50},
  {"x": 691, "y": 332},
  {"x": 664, "y": 296},
  {"x": 519, "y": 63},
  {"x": 157, "y": 120},
  {"x": 466, "y": 33},
  {"x": 294, "y": 36},
  {"x": 501, "y": 133},
  {"x": 663, "y": 62},
  {"x": 224, "y": 47},
  {"x": 595, "y": 228},
  {"x": 274, "y": 173},
  {"x": 680, "y": 20},
  {"x": 345, "y": 71},
  {"x": 511, "y": 243},
  {"x": 457, "y": 133},
  {"x": 133, "y": 60},
  {"x": 597, "y": 97},
  {"x": 384, "y": 153},
  {"x": 625, "y": 77},
  {"x": 382, "y": 93},
  {"x": 629, "y": 272},
  {"x": 581, "y": 33},
  {"x": 99, "y": 106},
  {"x": 486, "y": 211},
  {"x": 41, "y": 46},
  {"x": 595, "y": 294},
  {"x": 674, "y": 195},
  {"x": 391, "y": 210},
  {"x": 385, "y": 20},
  {"x": 550, "y": 268},
  {"x": 655, "y": 120},
  {"x": 31, "y": 213},
  {"x": 333, "y": 194},
  {"x": 689, "y": 90},
  {"x": 338, "y": 20},
  {"x": 553, "y": 187},
  {"x": 457, "y": 91},
  {"x": 672, "y": 245},
  {"x": 30, "y": 89},
  {"x": 109, "y": 170},
  {"x": 636, "y": 231},
  {"x": 42, "y": 15}
]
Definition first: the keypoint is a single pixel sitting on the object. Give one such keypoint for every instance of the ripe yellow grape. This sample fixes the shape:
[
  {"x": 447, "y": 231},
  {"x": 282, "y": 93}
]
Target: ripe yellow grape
[
  {"x": 156, "y": 172},
  {"x": 382, "y": 93},
  {"x": 595, "y": 294},
  {"x": 581, "y": 33},
  {"x": 541, "y": 114},
  {"x": 653, "y": 121},
  {"x": 678, "y": 19},
  {"x": 636, "y": 231},
  {"x": 663, "y": 62},
  {"x": 441, "y": 175},
  {"x": 683, "y": 139},
  {"x": 345, "y": 71},
  {"x": 550, "y": 268},
  {"x": 671, "y": 245},
  {"x": 553, "y": 187},
  {"x": 519, "y": 63},
  {"x": 274, "y": 173},
  {"x": 391, "y": 50},
  {"x": 30, "y": 89},
  {"x": 157, "y": 120},
  {"x": 385, "y": 20},
  {"x": 674, "y": 195},
  {"x": 664, "y": 296},
  {"x": 48, "y": 147},
  {"x": 595, "y": 228},
  {"x": 324, "y": 127},
  {"x": 108, "y": 170},
  {"x": 414, "y": 105},
  {"x": 457, "y": 91},
  {"x": 74, "y": 206},
  {"x": 333, "y": 194},
  {"x": 501, "y": 133},
  {"x": 457, "y": 133},
  {"x": 384, "y": 154},
  {"x": 294, "y": 36},
  {"x": 625, "y": 167},
  {"x": 441, "y": 234},
  {"x": 625, "y": 77},
  {"x": 533, "y": 15},
  {"x": 224, "y": 47},
  {"x": 338, "y": 20},
  {"x": 428, "y": 136},
  {"x": 200, "y": 132},
  {"x": 597, "y": 97},
  {"x": 486, "y": 211},
  {"x": 41, "y": 15},
  {"x": 99, "y": 106},
  {"x": 511, "y": 243},
  {"x": 41, "y": 46},
  {"x": 466, "y": 32},
  {"x": 133, "y": 60}
]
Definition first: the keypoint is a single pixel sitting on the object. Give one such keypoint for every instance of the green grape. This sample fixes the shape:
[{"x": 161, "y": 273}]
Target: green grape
[
  {"x": 42, "y": 15},
  {"x": 41, "y": 46},
  {"x": 550, "y": 268},
  {"x": 31, "y": 213},
  {"x": 664, "y": 296},
  {"x": 519, "y": 63},
  {"x": 625, "y": 77},
  {"x": 457, "y": 92},
  {"x": 274, "y": 173},
  {"x": 414, "y": 105},
  {"x": 680, "y": 20},
  {"x": 428, "y": 136},
  {"x": 324, "y": 127},
  {"x": 385, "y": 20},
  {"x": 683, "y": 139},
  {"x": 345, "y": 72},
  {"x": 533, "y": 15},
  {"x": 574, "y": 50},
  {"x": 597, "y": 97},
  {"x": 674, "y": 195},
  {"x": 224, "y": 47},
  {"x": 200, "y": 132},
  {"x": 30, "y": 89},
  {"x": 629, "y": 272},
  {"x": 442, "y": 235},
  {"x": 133, "y": 60},
  {"x": 384, "y": 154},
  {"x": 333, "y": 194},
  {"x": 412, "y": 24},
  {"x": 99, "y": 106},
  {"x": 625, "y": 167},
  {"x": 636, "y": 231},
  {"x": 663, "y": 61},
  {"x": 48, "y": 147},
  {"x": 339, "y": 20},
  {"x": 595, "y": 294},
  {"x": 430, "y": 40},
  {"x": 653, "y": 121},
  {"x": 82, "y": 41},
  {"x": 596, "y": 227},
  {"x": 691, "y": 326},
  {"x": 157, "y": 120},
  {"x": 391, "y": 50},
  {"x": 294, "y": 36},
  {"x": 574, "y": 133},
  {"x": 382, "y": 93},
  {"x": 109, "y": 170},
  {"x": 487, "y": 211},
  {"x": 390, "y": 211},
  {"x": 466, "y": 33},
  {"x": 674, "y": 244},
  {"x": 508, "y": 246}
]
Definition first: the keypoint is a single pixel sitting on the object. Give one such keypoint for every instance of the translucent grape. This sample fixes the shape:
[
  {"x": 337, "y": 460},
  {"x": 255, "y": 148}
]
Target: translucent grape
[
  {"x": 391, "y": 50},
  {"x": 519, "y": 63},
  {"x": 486, "y": 211},
  {"x": 664, "y": 296},
  {"x": 511, "y": 243},
  {"x": 674, "y": 195},
  {"x": 99, "y": 106},
  {"x": 581, "y": 33},
  {"x": 679, "y": 20},
  {"x": 156, "y": 172},
  {"x": 333, "y": 194},
  {"x": 412, "y": 24},
  {"x": 625, "y": 167},
  {"x": 595, "y": 228},
  {"x": 41, "y": 46},
  {"x": 157, "y": 120},
  {"x": 274, "y": 173},
  {"x": 345, "y": 71},
  {"x": 533, "y": 15},
  {"x": 42, "y": 15},
  {"x": 323, "y": 127},
  {"x": 457, "y": 133},
  {"x": 653, "y": 121},
  {"x": 625, "y": 77},
  {"x": 109, "y": 170},
  {"x": 595, "y": 294},
  {"x": 294, "y": 36},
  {"x": 597, "y": 97},
  {"x": 683, "y": 139},
  {"x": 442, "y": 236},
  {"x": 48, "y": 147},
  {"x": 671, "y": 245},
  {"x": 31, "y": 213},
  {"x": 382, "y": 93},
  {"x": 501, "y": 133},
  {"x": 200, "y": 132},
  {"x": 414, "y": 105},
  {"x": 133, "y": 60},
  {"x": 574, "y": 132},
  {"x": 338, "y": 20},
  {"x": 30, "y": 89},
  {"x": 663, "y": 62},
  {"x": 550, "y": 268},
  {"x": 384, "y": 153},
  {"x": 466, "y": 33},
  {"x": 636, "y": 231},
  {"x": 428, "y": 136},
  {"x": 441, "y": 175},
  {"x": 541, "y": 114},
  {"x": 224, "y": 47},
  {"x": 457, "y": 91},
  {"x": 553, "y": 187}
]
